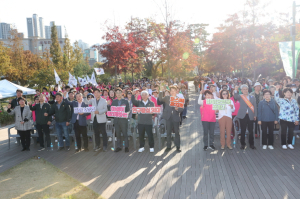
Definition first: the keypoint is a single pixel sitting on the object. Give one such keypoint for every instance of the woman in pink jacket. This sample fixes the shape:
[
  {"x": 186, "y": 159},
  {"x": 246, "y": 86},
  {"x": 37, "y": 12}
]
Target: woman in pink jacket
[{"x": 208, "y": 118}]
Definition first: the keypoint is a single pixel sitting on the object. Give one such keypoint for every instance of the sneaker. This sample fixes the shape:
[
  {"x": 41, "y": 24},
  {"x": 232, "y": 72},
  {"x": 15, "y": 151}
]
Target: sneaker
[
  {"x": 290, "y": 146},
  {"x": 222, "y": 147},
  {"x": 118, "y": 149},
  {"x": 97, "y": 149},
  {"x": 141, "y": 150},
  {"x": 77, "y": 150},
  {"x": 151, "y": 150},
  {"x": 284, "y": 147},
  {"x": 252, "y": 147},
  {"x": 212, "y": 147},
  {"x": 242, "y": 147},
  {"x": 109, "y": 139},
  {"x": 41, "y": 149},
  {"x": 264, "y": 146},
  {"x": 271, "y": 147},
  {"x": 178, "y": 149},
  {"x": 205, "y": 148}
]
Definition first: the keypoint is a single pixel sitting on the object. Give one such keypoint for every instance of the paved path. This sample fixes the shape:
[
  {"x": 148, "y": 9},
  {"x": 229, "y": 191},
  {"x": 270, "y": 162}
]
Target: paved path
[{"x": 193, "y": 173}]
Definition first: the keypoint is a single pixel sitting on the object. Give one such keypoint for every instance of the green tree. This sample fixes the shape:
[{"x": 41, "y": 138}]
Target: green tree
[
  {"x": 56, "y": 54},
  {"x": 78, "y": 55},
  {"x": 68, "y": 56}
]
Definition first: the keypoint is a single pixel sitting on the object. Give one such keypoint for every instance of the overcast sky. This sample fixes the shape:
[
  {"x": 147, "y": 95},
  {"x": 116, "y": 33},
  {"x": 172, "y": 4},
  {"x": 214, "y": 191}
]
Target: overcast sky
[{"x": 83, "y": 19}]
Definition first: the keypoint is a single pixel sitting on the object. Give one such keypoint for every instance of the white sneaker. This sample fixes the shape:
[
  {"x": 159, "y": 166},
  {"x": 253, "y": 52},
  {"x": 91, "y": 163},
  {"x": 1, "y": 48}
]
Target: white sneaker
[
  {"x": 141, "y": 150},
  {"x": 264, "y": 146},
  {"x": 271, "y": 147},
  {"x": 290, "y": 146},
  {"x": 284, "y": 147},
  {"x": 151, "y": 150}
]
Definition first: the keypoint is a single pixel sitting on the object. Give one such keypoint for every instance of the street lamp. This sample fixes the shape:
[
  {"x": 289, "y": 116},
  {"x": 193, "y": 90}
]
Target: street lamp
[{"x": 293, "y": 32}]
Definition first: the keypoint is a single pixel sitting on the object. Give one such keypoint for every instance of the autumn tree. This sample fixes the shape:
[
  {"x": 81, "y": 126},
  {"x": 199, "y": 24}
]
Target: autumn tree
[{"x": 5, "y": 64}]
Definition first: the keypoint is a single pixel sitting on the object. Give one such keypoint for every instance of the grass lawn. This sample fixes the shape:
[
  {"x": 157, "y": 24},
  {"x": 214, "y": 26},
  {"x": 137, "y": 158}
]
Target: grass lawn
[{"x": 36, "y": 178}]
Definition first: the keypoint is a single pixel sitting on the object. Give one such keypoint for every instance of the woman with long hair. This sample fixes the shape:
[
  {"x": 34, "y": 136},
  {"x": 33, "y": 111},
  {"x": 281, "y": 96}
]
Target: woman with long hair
[{"x": 225, "y": 120}]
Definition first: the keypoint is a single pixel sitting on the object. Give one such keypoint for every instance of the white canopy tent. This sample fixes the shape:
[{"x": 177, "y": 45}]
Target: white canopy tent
[{"x": 8, "y": 89}]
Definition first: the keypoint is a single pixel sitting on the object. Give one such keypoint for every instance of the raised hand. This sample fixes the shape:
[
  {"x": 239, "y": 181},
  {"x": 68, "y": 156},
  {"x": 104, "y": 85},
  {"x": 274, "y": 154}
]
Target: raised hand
[
  {"x": 29, "y": 103},
  {"x": 9, "y": 106},
  {"x": 45, "y": 114},
  {"x": 277, "y": 87}
]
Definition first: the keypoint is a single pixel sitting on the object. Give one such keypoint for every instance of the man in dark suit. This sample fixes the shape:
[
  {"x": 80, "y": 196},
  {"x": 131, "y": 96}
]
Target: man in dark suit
[
  {"x": 247, "y": 114},
  {"x": 42, "y": 121},
  {"x": 121, "y": 124},
  {"x": 79, "y": 121},
  {"x": 172, "y": 117}
]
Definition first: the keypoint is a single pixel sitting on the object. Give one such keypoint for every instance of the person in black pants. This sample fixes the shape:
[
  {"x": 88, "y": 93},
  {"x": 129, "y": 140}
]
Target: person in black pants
[
  {"x": 79, "y": 121},
  {"x": 42, "y": 121},
  {"x": 144, "y": 121},
  {"x": 267, "y": 116},
  {"x": 22, "y": 121}
]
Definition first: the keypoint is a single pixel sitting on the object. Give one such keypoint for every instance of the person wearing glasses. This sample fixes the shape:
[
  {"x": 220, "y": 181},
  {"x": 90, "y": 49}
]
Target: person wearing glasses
[
  {"x": 225, "y": 120},
  {"x": 267, "y": 117}
]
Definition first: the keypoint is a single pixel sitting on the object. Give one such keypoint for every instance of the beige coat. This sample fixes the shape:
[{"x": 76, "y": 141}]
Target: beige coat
[{"x": 19, "y": 118}]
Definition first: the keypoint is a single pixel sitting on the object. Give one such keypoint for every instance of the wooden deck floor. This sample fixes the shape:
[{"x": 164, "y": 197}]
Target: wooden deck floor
[{"x": 193, "y": 173}]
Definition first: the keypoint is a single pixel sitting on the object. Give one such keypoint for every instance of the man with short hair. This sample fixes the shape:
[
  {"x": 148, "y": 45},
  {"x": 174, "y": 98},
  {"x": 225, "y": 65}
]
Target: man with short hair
[
  {"x": 257, "y": 93},
  {"x": 15, "y": 102},
  {"x": 63, "y": 116},
  {"x": 172, "y": 117},
  {"x": 99, "y": 119},
  {"x": 42, "y": 121},
  {"x": 144, "y": 121},
  {"x": 247, "y": 114},
  {"x": 121, "y": 124},
  {"x": 79, "y": 122}
]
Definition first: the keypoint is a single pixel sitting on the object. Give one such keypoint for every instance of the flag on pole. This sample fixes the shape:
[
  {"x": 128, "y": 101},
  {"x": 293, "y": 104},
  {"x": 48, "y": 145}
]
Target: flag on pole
[
  {"x": 93, "y": 79},
  {"x": 57, "y": 79},
  {"x": 99, "y": 71},
  {"x": 72, "y": 80},
  {"x": 88, "y": 80}
]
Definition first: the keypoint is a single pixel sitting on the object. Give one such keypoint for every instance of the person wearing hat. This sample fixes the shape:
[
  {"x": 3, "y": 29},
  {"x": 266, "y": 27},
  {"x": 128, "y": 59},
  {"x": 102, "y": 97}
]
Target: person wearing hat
[
  {"x": 22, "y": 122},
  {"x": 63, "y": 116},
  {"x": 257, "y": 93}
]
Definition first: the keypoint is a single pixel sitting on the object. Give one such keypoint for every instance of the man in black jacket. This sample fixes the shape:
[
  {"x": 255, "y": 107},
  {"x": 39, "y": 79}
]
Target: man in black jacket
[
  {"x": 172, "y": 117},
  {"x": 144, "y": 121},
  {"x": 121, "y": 124},
  {"x": 14, "y": 102},
  {"x": 42, "y": 121},
  {"x": 63, "y": 116}
]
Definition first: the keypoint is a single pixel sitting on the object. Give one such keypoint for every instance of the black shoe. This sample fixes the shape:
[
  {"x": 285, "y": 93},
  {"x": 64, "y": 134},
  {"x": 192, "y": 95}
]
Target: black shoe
[
  {"x": 77, "y": 150},
  {"x": 184, "y": 117},
  {"x": 118, "y": 149},
  {"x": 41, "y": 149},
  {"x": 126, "y": 150},
  {"x": 104, "y": 149},
  {"x": 242, "y": 147},
  {"x": 68, "y": 148},
  {"x": 60, "y": 148},
  {"x": 178, "y": 149},
  {"x": 212, "y": 147},
  {"x": 97, "y": 149},
  {"x": 86, "y": 150},
  {"x": 28, "y": 149},
  {"x": 252, "y": 147},
  {"x": 205, "y": 148},
  {"x": 168, "y": 149},
  {"x": 24, "y": 149}
]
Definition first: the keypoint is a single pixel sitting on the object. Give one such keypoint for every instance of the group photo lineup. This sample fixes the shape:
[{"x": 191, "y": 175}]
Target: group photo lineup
[{"x": 151, "y": 100}]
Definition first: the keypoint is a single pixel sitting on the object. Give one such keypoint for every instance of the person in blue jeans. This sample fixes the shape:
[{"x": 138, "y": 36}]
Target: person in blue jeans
[{"x": 63, "y": 116}]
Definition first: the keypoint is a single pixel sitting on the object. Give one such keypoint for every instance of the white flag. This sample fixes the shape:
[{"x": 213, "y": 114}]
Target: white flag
[
  {"x": 93, "y": 79},
  {"x": 57, "y": 79},
  {"x": 81, "y": 81},
  {"x": 99, "y": 71},
  {"x": 88, "y": 80},
  {"x": 72, "y": 80}
]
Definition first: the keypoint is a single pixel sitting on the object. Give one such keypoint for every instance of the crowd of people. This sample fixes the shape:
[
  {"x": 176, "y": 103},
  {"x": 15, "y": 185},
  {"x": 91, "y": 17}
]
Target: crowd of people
[
  {"x": 58, "y": 105},
  {"x": 261, "y": 106}
]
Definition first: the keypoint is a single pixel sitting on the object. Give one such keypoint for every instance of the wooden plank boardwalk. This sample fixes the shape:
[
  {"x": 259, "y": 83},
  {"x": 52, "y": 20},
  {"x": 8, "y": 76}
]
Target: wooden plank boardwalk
[{"x": 193, "y": 173}]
